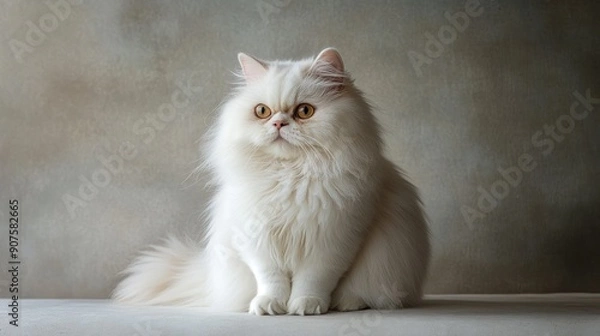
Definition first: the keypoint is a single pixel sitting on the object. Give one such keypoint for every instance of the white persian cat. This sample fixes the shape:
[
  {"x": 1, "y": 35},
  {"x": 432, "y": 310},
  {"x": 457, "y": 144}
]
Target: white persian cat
[{"x": 308, "y": 214}]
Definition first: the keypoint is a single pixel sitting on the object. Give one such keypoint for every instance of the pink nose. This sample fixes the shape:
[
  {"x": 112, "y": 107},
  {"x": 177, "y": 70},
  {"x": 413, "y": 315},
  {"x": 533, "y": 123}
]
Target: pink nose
[{"x": 279, "y": 124}]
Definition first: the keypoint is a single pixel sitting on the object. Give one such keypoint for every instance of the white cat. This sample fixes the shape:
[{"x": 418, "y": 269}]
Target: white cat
[{"x": 308, "y": 215}]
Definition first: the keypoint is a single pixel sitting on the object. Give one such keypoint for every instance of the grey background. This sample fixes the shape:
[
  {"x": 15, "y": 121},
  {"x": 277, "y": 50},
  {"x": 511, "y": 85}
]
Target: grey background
[{"x": 90, "y": 84}]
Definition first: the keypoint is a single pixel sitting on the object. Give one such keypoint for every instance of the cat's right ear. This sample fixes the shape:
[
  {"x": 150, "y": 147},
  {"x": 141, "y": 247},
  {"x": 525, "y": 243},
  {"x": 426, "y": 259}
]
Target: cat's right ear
[{"x": 252, "y": 68}]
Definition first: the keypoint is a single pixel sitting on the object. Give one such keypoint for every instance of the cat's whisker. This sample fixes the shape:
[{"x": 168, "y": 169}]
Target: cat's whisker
[
  {"x": 323, "y": 149},
  {"x": 321, "y": 146},
  {"x": 196, "y": 173},
  {"x": 317, "y": 157},
  {"x": 254, "y": 150},
  {"x": 306, "y": 153}
]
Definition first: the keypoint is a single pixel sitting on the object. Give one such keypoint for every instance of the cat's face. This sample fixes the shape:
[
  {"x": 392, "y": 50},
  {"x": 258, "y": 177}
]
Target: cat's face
[{"x": 288, "y": 109}]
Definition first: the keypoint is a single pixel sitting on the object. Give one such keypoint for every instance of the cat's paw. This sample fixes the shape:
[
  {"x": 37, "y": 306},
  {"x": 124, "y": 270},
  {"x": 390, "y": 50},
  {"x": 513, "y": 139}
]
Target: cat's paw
[
  {"x": 266, "y": 305},
  {"x": 308, "y": 305}
]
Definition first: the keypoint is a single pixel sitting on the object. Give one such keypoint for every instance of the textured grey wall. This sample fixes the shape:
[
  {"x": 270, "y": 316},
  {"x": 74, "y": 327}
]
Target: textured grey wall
[{"x": 83, "y": 82}]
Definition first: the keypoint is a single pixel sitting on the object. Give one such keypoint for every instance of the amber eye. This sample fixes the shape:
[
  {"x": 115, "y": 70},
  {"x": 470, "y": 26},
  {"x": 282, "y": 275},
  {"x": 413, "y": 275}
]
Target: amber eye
[
  {"x": 304, "y": 111},
  {"x": 262, "y": 111}
]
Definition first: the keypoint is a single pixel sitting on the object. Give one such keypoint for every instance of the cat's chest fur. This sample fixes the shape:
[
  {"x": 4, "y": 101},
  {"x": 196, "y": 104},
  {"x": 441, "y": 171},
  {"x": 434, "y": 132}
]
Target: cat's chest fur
[
  {"x": 290, "y": 196},
  {"x": 295, "y": 208}
]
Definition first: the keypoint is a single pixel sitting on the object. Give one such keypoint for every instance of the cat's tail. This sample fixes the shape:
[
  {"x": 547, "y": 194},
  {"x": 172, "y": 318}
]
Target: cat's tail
[{"x": 171, "y": 274}]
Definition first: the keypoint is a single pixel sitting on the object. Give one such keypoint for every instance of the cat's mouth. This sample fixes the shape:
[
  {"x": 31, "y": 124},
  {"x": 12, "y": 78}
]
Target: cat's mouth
[{"x": 279, "y": 138}]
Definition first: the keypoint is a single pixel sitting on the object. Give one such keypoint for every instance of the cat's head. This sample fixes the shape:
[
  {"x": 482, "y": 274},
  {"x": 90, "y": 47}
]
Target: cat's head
[{"x": 292, "y": 108}]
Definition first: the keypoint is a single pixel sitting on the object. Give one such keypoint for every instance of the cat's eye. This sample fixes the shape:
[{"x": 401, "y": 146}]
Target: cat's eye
[
  {"x": 262, "y": 111},
  {"x": 304, "y": 111}
]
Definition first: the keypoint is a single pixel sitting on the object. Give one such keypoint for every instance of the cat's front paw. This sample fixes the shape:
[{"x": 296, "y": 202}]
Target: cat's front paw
[
  {"x": 266, "y": 305},
  {"x": 308, "y": 305}
]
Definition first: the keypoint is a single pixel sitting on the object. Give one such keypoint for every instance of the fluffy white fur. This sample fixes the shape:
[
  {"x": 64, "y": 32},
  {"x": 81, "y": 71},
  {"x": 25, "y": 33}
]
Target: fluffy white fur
[{"x": 306, "y": 219}]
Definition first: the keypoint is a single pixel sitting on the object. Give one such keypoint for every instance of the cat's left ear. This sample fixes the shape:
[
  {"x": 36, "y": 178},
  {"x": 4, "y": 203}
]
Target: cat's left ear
[
  {"x": 332, "y": 57},
  {"x": 252, "y": 68},
  {"x": 329, "y": 65}
]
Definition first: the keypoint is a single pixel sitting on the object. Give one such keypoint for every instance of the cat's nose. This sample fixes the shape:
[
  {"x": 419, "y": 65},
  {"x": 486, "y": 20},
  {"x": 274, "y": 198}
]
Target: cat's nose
[{"x": 279, "y": 124}]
